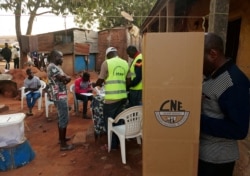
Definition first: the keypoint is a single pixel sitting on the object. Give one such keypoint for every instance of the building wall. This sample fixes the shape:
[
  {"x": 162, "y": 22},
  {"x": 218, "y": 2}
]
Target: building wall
[
  {"x": 116, "y": 37},
  {"x": 88, "y": 37},
  {"x": 197, "y": 20},
  {"x": 45, "y": 42},
  {"x": 73, "y": 42},
  {"x": 120, "y": 38},
  {"x": 238, "y": 9}
]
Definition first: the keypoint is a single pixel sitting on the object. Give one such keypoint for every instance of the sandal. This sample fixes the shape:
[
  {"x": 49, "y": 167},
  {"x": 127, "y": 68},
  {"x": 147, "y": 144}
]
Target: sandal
[
  {"x": 104, "y": 147},
  {"x": 29, "y": 114}
]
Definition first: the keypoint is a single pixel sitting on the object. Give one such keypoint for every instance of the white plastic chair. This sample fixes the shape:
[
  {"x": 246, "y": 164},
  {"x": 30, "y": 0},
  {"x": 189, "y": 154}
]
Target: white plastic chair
[
  {"x": 47, "y": 104},
  {"x": 76, "y": 101},
  {"x": 40, "y": 100},
  {"x": 131, "y": 129}
]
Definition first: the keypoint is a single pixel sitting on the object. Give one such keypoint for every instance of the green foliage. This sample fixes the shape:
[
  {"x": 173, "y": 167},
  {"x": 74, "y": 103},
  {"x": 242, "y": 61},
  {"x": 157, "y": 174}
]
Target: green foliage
[
  {"x": 108, "y": 12},
  {"x": 33, "y": 8}
]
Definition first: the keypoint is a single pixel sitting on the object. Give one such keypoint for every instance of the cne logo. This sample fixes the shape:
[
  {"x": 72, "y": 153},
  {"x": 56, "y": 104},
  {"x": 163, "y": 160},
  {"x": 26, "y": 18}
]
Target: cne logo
[
  {"x": 119, "y": 71},
  {"x": 172, "y": 114}
]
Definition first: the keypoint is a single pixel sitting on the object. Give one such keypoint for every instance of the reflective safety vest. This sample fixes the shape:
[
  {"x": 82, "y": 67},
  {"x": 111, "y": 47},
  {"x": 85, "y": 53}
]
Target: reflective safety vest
[
  {"x": 115, "y": 84},
  {"x": 132, "y": 72}
]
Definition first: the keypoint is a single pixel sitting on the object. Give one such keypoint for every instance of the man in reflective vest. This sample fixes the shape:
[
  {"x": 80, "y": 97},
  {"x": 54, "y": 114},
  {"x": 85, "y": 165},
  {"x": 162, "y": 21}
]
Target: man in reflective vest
[
  {"x": 114, "y": 72},
  {"x": 135, "y": 85}
]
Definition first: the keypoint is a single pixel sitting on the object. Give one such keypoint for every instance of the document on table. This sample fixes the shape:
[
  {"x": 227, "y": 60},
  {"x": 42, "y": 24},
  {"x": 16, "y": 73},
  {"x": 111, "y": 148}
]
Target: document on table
[
  {"x": 87, "y": 94},
  {"x": 26, "y": 93}
]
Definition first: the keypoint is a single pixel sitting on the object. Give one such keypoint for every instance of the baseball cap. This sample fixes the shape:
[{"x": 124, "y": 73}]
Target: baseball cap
[{"x": 110, "y": 49}]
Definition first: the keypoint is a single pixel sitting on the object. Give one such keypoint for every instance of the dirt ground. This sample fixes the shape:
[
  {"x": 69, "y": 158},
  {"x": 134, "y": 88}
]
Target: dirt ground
[{"x": 87, "y": 159}]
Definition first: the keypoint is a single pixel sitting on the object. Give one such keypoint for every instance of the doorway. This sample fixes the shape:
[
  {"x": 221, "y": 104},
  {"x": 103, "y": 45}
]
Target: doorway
[{"x": 232, "y": 44}]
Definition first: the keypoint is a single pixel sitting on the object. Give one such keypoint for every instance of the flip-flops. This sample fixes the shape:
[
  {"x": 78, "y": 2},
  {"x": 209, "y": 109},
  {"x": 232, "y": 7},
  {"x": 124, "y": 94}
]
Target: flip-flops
[{"x": 104, "y": 147}]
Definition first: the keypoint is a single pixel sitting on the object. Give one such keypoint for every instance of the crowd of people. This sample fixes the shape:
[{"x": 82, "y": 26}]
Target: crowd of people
[
  {"x": 9, "y": 54},
  {"x": 224, "y": 110},
  {"x": 117, "y": 76}
]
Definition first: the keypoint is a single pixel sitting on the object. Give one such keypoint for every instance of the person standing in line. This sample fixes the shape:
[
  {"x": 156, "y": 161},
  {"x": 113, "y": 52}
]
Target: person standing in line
[
  {"x": 114, "y": 71},
  {"x": 57, "y": 81},
  {"x": 15, "y": 56},
  {"x": 32, "y": 85},
  {"x": 135, "y": 85},
  {"x": 6, "y": 53},
  {"x": 224, "y": 112}
]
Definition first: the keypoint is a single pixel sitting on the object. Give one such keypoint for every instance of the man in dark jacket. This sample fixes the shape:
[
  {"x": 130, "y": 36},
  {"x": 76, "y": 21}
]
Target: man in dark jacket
[
  {"x": 6, "y": 53},
  {"x": 224, "y": 112}
]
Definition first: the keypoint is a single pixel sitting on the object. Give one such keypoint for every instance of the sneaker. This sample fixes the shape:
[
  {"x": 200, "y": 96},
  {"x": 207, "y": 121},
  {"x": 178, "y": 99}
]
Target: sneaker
[{"x": 66, "y": 147}]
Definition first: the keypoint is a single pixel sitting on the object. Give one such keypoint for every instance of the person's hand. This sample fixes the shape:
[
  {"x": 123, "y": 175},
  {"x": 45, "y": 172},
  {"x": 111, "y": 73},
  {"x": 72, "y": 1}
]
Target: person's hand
[
  {"x": 93, "y": 84},
  {"x": 67, "y": 80}
]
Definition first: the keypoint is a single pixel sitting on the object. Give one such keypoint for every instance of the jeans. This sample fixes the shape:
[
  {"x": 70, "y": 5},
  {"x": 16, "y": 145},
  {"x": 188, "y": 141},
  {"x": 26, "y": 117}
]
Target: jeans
[
  {"x": 112, "y": 110},
  {"x": 31, "y": 98}
]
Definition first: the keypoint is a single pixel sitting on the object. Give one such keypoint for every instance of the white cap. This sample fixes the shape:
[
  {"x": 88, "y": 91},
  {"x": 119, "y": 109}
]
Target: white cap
[{"x": 110, "y": 49}]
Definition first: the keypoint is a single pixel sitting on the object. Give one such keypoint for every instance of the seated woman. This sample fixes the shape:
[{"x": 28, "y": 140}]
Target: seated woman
[{"x": 83, "y": 85}]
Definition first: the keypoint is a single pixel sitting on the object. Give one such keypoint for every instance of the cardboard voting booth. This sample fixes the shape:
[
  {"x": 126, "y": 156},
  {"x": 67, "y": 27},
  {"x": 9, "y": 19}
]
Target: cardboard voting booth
[{"x": 172, "y": 85}]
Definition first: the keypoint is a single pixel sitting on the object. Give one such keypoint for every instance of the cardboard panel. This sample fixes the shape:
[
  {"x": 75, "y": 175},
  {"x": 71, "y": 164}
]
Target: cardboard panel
[
  {"x": 172, "y": 83},
  {"x": 45, "y": 42}
]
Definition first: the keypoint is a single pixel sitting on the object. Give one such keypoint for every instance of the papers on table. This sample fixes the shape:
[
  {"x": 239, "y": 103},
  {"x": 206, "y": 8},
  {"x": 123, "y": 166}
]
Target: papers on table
[
  {"x": 97, "y": 90},
  {"x": 87, "y": 94},
  {"x": 26, "y": 93},
  {"x": 102, "y": 94}
]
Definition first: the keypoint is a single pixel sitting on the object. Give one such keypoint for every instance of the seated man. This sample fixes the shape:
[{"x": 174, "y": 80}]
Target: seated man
[
  {"x": 83, "y": 85},
  {"x": 32, "y": 85}
]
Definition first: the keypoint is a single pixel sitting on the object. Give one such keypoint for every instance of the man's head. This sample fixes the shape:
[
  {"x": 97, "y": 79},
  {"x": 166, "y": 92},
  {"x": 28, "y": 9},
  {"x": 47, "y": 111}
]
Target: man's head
[
  {"x": 85, "y": 76},
  {"x": 29, "y": 73},
  {"x": 56, "y": 57},
  {"x": 111, "y": 52},
  {"x": 213, "y": 53},
  {"x": 6, "y": 45},
  {"x": 131, "y": 51}
]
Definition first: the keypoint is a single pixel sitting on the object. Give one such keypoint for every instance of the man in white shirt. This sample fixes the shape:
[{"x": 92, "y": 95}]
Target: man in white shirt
[{"x": 15, "y": 56}]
